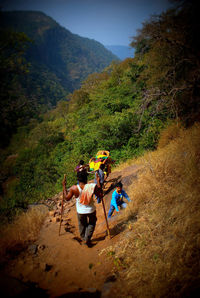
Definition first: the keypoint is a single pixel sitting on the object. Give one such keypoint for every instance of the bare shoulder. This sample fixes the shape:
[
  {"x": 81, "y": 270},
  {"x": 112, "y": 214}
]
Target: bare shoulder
[{"x": 74, "y": 190}]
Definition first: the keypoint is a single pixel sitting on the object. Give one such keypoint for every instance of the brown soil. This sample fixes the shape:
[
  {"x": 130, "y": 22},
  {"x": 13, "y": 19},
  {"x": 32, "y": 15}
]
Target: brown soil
[{"x": 61, "y": 265}]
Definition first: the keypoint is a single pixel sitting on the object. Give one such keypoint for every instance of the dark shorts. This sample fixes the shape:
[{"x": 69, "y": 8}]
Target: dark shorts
[{"x": 86, "y": 223}]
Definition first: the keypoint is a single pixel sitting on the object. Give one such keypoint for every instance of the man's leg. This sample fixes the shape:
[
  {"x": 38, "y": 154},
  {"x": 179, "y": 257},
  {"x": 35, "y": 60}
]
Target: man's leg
[
  {"x": 82, "y": 224},
  {"x": 123, "y": 205},
  {"x": 91, "y": 226},
  {"x": 110, "y": 212}
]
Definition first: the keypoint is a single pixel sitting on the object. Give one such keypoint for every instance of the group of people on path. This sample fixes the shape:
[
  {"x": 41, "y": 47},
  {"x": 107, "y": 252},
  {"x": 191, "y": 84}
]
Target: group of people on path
[{"x": 85, "y": 205}]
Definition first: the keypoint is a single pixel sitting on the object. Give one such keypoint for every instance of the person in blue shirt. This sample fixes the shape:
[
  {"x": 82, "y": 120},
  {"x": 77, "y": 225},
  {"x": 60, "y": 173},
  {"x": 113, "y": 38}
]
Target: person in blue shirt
[{"x": 117, "y": 199}]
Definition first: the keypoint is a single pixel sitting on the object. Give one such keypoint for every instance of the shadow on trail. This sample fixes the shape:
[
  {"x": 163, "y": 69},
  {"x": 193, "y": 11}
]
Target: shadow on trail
[
  {"x": 94, "y": 240},
  {"x": 13, "y": 287},
  {"x": 78, "y": 239},
  {"x": 69, "y": 228},
  {"x": 117, "y": 229},
  {"x": 120, "y": 226},
  {"x": 84, "y": 294},
  {"x": 101, "y": 238}
]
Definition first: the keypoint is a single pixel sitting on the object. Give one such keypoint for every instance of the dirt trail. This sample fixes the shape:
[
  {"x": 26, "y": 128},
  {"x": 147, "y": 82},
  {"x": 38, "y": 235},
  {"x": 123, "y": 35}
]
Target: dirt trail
[{"x": 63, "y": 266}]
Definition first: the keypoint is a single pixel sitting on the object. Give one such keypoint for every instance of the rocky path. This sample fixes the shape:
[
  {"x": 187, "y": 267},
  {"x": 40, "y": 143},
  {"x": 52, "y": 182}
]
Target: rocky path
[{"x": 61, "y": 265}]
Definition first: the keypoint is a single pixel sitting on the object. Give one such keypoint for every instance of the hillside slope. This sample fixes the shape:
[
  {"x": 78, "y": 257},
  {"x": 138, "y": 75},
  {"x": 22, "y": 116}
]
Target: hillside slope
[
  {"x": 70, "y": 57},
  {"x": 42, "y": 70},
  {"x": 155, "y": 241}
]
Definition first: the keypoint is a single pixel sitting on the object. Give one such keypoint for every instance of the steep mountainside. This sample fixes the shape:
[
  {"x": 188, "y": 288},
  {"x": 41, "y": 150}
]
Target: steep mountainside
[
  {"x": 56, "y": 62},
  {"x": 70, "y": 57}
]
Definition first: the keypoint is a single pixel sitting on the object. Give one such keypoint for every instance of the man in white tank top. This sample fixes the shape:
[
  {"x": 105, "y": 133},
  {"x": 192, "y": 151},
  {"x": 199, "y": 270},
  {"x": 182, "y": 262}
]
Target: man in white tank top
[{"x": 86, "y": 213}]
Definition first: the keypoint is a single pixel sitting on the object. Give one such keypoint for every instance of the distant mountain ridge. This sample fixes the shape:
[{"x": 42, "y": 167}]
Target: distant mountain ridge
[
  {"x": 122, "y": 52},
  {"x": 58, "y": 62},
  {"x": 71, "y": 57}
]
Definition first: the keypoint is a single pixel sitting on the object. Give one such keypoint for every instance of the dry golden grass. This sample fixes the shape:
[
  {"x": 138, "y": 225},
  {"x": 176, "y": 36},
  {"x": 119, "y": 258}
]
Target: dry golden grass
[
  {"x": 162, "y": 248},
  {"x": 171, "y": 133},
  {"x": 24, "y": 229},
  {"x": 122, "y": 166}
]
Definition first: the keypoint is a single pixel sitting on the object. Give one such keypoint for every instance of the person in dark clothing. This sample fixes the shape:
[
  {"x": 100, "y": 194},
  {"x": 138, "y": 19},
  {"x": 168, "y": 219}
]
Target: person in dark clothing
[
  {"x": 80, "y": 166},
  {"x": 82, "y": 169},
  {"x": 100, "y": 173}
]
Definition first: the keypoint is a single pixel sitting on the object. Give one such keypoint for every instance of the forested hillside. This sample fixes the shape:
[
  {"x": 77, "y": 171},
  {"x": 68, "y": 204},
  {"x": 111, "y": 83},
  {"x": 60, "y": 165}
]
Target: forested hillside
[
  {"x": 122, "y": 109},
  {"x": 40, "y": 63}
]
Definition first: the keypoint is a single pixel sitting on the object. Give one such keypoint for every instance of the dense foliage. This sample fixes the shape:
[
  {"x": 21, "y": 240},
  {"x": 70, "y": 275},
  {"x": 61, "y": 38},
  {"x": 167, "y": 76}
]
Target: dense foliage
[
  {"x": 40, "y": 63},
  {"x": 121, "y": 109},
  {"x": 13, "y": 104},
  {"x": 168, "y": 46}
]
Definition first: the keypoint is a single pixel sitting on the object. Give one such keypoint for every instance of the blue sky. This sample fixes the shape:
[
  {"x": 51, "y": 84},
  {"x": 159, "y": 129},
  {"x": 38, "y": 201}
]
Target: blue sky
[{"x": 111, "y": 22}]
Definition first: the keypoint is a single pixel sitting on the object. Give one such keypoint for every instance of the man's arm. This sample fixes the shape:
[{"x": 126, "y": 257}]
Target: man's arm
[
  {"x": 67, "y": 194},
  {"x": 98, "y": 180},
  {"x": 98, "y": 192},
  {"x": 126, "y": 196}
]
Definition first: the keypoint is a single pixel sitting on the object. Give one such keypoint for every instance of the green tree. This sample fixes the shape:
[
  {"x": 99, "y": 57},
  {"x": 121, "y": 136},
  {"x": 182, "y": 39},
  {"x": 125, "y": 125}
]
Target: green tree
[
  {"x": 13, "y": 103},
  {"x": 168, "y": 47}
]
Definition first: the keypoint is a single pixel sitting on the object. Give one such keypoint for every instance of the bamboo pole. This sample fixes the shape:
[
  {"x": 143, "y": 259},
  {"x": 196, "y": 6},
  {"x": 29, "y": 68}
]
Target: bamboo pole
[
  {"x": 108, "y": 230},
  {"x": 61, "y": 212},
  {"x": 104, "y": 210}
]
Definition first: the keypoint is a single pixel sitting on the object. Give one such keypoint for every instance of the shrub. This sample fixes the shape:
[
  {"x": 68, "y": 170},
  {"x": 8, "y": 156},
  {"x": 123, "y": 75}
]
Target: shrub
[{"x": 25, "y": 228}]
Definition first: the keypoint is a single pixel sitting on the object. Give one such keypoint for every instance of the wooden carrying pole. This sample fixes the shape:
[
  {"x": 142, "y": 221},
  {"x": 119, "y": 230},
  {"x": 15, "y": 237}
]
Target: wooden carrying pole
[
  {"x": 61, "y": 212},
  {"x": 104, "y": 210}
]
